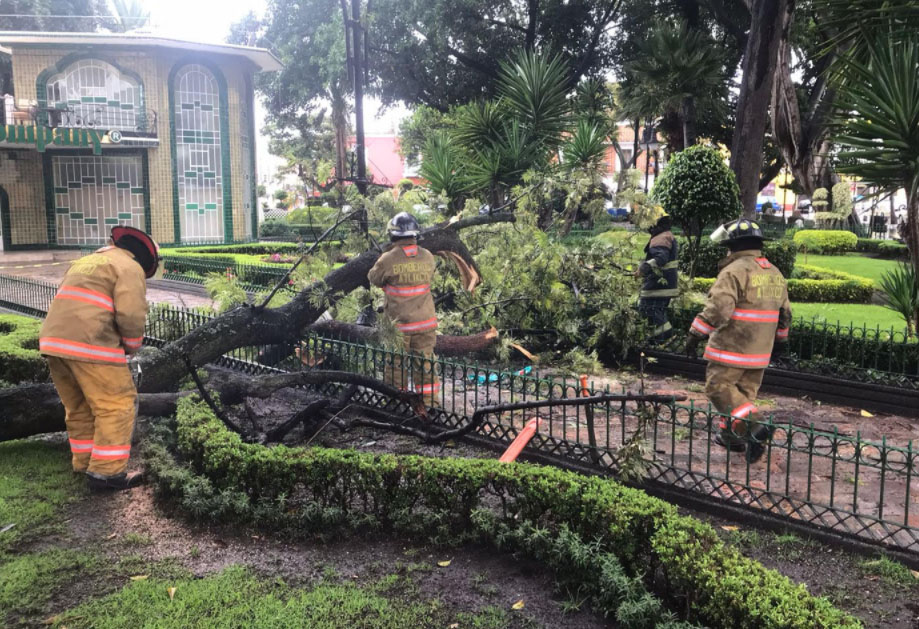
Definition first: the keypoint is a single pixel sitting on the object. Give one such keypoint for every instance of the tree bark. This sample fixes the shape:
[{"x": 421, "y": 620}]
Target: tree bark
[
  {"x": 803, "y": 138},
  {"x": 688, "y": 114},
  {"x": 769, "y": 27},
  {"x": 447, "y": 345}
]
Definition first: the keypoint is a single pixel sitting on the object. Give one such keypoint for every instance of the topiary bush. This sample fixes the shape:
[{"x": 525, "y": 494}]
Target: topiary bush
[
  {"x": 697, "y": 189},
  {"x": 782, "y": 253},
  {"x": 636, "y": 542},
  {"x": 20, "y": 360},
  {"x": 826, "y": 241}
]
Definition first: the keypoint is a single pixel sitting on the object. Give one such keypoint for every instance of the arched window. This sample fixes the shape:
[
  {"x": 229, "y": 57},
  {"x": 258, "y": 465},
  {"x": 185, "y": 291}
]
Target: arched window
[
  {"x": 93, "y": 93},
  {"x": 199, "y": 163}
]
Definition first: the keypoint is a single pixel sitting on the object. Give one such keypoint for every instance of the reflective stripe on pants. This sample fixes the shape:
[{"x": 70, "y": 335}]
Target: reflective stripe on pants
[
  {"x": 732, "y": 391},
  {"x": 415, "y": 373},
  {"x": 99, "y": 401}
]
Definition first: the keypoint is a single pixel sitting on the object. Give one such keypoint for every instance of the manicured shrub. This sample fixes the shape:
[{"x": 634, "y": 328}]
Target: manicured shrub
[
  {"x": 825, "y": 241},
  {"x": 782, "y": 253},
  {"x": 274, "y": 228},
  {"x": 547, "y": 512},
  {"x": 855, "y": 291},
  {"x": 883, "y": 248},
  {"x": 19, "y": 357}
]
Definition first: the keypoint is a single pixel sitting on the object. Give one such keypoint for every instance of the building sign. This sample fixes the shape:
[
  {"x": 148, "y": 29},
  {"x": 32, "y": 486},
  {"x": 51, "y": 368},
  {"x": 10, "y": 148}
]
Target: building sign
[{"x": 43, "y": 137}]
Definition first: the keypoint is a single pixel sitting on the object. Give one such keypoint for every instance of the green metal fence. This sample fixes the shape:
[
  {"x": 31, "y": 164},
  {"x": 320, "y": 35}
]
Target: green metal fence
[
  {"x": 195, "y": 270},
  {"x": 855, "y": 352},
  {"x": 831, "y": 480},
  {"x": 25, "y": 295}
]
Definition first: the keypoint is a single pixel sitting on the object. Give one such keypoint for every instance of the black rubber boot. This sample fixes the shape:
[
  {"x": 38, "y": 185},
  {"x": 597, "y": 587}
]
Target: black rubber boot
[
  {"x": 114, "y": 483},
  {"x": 759, "y": 441},
  {"x": 733, "y": 446}
]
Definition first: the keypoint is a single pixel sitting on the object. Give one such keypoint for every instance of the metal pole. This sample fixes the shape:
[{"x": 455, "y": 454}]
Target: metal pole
[{"x": 358, "y": 49}]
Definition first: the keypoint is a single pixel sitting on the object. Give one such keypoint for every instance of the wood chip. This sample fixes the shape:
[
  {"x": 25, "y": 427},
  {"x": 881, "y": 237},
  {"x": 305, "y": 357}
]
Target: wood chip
[{"x": 518, "y": 605}]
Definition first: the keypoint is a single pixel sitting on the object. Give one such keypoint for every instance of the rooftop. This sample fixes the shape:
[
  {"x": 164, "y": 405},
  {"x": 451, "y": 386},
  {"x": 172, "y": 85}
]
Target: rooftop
[{"x": 264, "y": 59}]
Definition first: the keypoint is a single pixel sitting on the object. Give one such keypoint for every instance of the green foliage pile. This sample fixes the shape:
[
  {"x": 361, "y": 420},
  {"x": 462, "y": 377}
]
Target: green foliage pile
[
  {"x": 882, "y": 248},
  {"x": 825, "y": 241},
  {"x": 19, "y": 357},
  {"x": 584, "y": 292},
  {"x": 781, "y": 253},
  {"x": 540, "y": 511}
]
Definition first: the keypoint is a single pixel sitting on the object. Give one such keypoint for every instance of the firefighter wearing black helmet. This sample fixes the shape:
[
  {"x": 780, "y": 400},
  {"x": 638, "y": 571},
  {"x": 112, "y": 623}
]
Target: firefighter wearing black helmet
[
  {"x": 659, "y": 273},
  {"x": 746, "y": 318},
  {"x": 95, "y": 321},
  {"x": 405, "y": 272}
]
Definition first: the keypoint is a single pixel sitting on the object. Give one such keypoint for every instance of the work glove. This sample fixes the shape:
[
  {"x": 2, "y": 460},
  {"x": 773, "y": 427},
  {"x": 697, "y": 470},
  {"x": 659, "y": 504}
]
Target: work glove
[{"x": 692, "y": 345}]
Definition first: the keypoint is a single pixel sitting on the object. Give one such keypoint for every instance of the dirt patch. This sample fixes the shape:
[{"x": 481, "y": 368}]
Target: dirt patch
[
  {"x": 847, "y": 579},
  {"x": 133, "y": 524}
]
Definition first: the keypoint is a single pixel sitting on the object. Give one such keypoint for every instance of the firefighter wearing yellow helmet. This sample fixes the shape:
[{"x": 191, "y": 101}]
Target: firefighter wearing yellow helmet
[
  {"x": 659, "y": 272},
  {"x": 746, "y": 318}
]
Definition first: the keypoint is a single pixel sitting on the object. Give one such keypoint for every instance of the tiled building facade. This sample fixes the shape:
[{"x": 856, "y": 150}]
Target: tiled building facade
[{"x": 169, "y": 130}]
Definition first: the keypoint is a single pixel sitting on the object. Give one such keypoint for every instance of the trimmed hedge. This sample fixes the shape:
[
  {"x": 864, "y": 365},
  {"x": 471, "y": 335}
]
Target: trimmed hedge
[
  {"x": 883, "y": 248},
  {"x": 857, "y": 290},
  {"x": 19, "y": 357},
  {"x": 825, "y": 241},
  {"x": 782, "y": 253},
  {"x": 321, "y": 490}
]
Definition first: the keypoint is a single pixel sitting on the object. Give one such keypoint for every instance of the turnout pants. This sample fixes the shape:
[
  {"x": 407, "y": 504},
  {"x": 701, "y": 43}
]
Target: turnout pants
[
  {"x": 100, "y": 404},
  {"x": 415, "y": 373},
  {"x": 654, "y": 309},
  {"x": 733, "y": 392}
]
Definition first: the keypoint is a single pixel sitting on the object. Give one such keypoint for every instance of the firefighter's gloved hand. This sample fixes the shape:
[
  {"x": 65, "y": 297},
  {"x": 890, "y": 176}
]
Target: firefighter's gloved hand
[{"x": 692, "y": 345}]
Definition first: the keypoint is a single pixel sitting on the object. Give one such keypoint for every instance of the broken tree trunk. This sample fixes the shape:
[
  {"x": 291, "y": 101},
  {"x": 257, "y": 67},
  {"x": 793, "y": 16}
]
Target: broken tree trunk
[
  {"x": 35, "y": 409},
  {"x": 447, "y": 345}
]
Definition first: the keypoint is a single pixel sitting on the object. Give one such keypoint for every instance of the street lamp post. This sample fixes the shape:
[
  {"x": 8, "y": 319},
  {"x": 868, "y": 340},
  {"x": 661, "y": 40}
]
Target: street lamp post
[{"x": 649, "y": 144}]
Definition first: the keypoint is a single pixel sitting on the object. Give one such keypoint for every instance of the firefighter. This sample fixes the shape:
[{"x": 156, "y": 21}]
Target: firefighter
[
  {"x": 659, "y": 271},
  {"x": 746, "y": 319},
  {"x": 405, "y": 272},
  {"x": 95, "y": 322}
]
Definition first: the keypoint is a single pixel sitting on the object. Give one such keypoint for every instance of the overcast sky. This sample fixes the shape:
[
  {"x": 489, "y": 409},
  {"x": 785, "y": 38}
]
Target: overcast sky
[{"x": 210, "y": 21}]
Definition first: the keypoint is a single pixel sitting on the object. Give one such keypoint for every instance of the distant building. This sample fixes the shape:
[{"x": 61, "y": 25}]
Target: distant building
[{"x": 130, "y": 129}]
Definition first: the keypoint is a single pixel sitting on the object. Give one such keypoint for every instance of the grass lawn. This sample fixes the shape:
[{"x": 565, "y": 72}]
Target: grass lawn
[
  {"x": 871, "y": 268},
  {"x": 857, "y": 314}
]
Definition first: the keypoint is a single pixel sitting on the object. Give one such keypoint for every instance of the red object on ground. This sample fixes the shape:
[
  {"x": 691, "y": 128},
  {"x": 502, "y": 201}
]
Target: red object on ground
[
  {"x": 585, "y": 390},
  {"x": 511, "y": 454}
]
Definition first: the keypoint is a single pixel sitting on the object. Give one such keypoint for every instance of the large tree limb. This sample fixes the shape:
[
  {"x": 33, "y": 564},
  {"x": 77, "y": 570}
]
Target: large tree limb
[
  {"x": 245, "y": 326},
  {"x": 447, "y": 345}
]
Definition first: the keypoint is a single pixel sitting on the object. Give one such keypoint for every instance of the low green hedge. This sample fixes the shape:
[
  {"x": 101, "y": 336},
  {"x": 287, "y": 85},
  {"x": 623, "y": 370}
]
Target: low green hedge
[
  {"x": 825, "y": 241},
  {"x": 883, "y": 248},
  {"x": 811, "y": 272},
  {"x": 318, "y": 489},
  {"x": 782, "y": 253},
  {"x": 839, "y": 291},
  {"x": 19, "y": 357}
]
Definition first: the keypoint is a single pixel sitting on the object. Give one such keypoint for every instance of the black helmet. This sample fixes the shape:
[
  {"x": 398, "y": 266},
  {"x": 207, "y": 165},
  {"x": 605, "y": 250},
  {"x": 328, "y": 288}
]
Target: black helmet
[
  {"x": 139, "y": 243},
  {"x": 403, "y": 225},
  {"x": 742, "y": 230}
]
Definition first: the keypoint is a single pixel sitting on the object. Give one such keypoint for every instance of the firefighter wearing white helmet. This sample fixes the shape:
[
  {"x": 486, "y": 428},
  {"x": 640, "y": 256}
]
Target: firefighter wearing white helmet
[
  {"x": 95, "y": 321},
  {"x": 405, "y": 272},
  {"x": 746, "y": 318}
]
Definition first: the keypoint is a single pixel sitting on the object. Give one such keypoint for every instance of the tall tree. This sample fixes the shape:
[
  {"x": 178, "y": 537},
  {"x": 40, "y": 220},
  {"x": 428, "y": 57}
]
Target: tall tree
[
  {"x": 310, "y": 95},
  {"x": 445, "y": 52},
  {"x": 769, "y": 27}
]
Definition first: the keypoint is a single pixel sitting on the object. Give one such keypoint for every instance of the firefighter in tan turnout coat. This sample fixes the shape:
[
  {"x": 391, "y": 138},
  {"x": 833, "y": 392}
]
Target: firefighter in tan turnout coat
[
  {"x": 746, "y": 318},
  {"x": 95, "y": 320},
  {"x": 405, "y": 272}
]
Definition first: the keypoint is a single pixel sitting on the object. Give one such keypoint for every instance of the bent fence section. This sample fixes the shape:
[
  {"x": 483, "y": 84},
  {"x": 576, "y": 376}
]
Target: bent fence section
[{"x": 833, "y": 481}]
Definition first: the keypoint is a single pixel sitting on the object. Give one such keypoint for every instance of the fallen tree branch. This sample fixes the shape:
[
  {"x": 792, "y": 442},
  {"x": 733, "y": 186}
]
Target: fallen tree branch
[
  {"x": 310, "y": 411},
  {"x": 192, "y": 371},
  {"x": 447, "y": 345}
]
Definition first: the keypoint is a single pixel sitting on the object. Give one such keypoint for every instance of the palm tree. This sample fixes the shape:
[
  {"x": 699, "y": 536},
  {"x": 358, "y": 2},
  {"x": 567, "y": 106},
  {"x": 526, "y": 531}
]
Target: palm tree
[
  {"x": 131, "y": 15},
  {"x": 677, "y": 66},
  {"x": 879, "y": 122}
]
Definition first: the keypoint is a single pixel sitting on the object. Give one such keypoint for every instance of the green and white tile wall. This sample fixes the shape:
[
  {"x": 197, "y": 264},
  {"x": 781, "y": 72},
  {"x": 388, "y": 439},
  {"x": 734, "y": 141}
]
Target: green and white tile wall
[
  {"x": 91, "y": 92},
  {"x": 31, "y": 213},
  {"x": 94, "y": 193}
]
